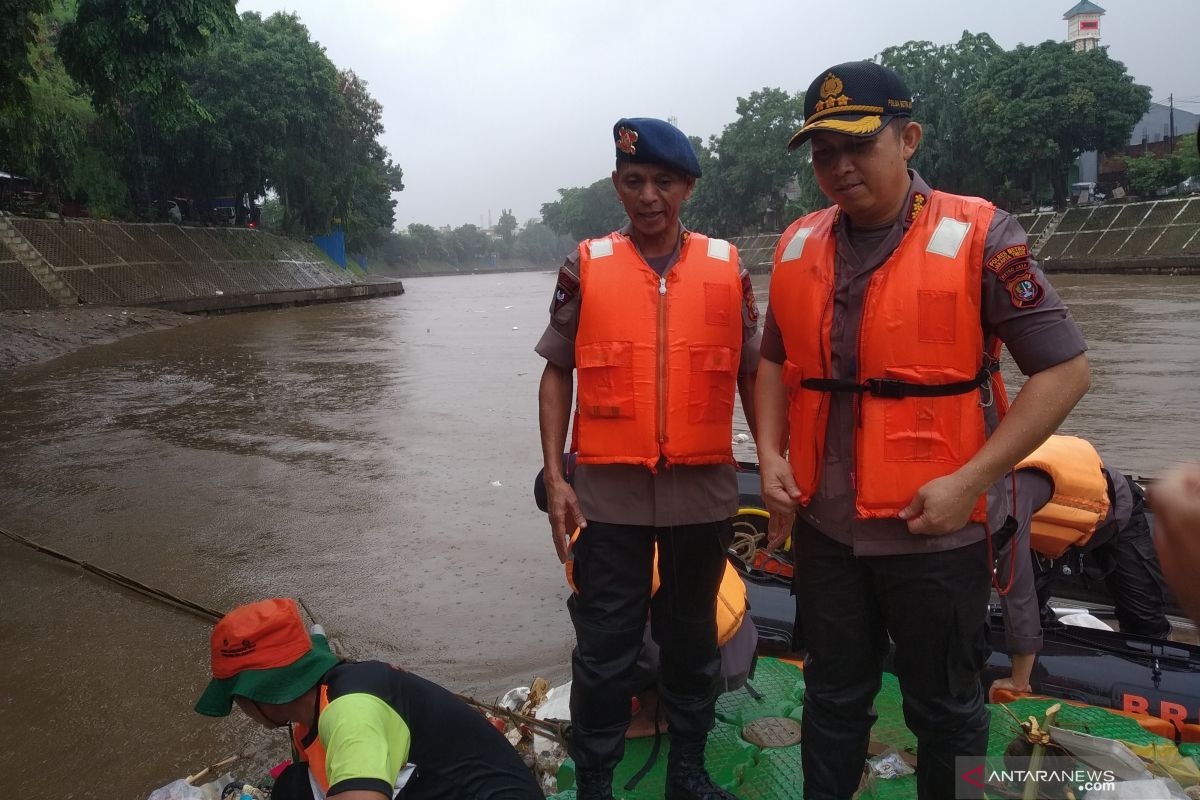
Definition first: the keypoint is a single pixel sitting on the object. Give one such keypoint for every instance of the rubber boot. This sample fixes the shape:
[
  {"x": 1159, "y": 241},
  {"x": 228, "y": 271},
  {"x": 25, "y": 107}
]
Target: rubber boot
[
  {"x": 593, "y": 784},
  {"x": 686, "y": 777}
]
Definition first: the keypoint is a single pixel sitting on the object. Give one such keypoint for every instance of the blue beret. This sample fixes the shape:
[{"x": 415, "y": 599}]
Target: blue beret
[{"x": 643, "y": 140}]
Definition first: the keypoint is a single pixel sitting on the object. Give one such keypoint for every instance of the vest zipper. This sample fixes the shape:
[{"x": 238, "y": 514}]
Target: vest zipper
[{"x": 662, "y": 360}]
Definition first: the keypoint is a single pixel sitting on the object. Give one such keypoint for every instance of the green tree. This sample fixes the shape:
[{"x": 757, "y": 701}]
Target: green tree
[
  {"x": 749, "y": 167},
  {"x": 467, "y": 244},
  {"x": 22, "y": 24},
  {"x": 130, "y": 50},
  {"x": 1148, "y": 173},
  {"x": 1036, "y": 109},
  {"x": 585, "y": 212},
  {"x": 53, "y": 136},
  {"x": 506, "y": 225},
  {"x": 1188, "y": 159},
  {"x": 537, "y": 243},
  {"x": 365, "y": 175},
  {"x": 940, "y": 78},
  {"x": 428, "y": 243}
]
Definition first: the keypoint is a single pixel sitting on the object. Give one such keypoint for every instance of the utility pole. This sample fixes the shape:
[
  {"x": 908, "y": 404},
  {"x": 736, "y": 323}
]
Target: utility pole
[{"x": 1171, "y": 101}]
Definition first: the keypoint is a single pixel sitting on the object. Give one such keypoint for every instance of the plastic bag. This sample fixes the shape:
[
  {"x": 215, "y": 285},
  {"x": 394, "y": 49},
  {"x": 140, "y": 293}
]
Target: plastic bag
[{"x": 889, "y": 765}]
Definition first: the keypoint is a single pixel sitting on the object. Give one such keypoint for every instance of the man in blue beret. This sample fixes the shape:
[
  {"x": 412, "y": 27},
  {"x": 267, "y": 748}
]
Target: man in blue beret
[{"x": 661, "y": 325}]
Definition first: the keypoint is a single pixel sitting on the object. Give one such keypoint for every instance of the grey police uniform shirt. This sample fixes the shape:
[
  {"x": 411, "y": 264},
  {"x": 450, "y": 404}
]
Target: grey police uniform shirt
[
  {"x": 1030, "y": 319},
  {"x": 625, "y": 494},
  {"x": 1033, "y": 489}
]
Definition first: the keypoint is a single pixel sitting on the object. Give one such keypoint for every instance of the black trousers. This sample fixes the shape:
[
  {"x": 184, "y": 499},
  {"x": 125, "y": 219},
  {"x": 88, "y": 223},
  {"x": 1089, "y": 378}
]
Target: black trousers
[
  {"x": 1134, "y": 576},
  {"x": 934, "y": 608},
  {"x": 613, "y": 568}
]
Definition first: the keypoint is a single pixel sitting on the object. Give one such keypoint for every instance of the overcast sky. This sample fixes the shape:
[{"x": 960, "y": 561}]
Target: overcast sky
[{"x": 498, "y": 104}]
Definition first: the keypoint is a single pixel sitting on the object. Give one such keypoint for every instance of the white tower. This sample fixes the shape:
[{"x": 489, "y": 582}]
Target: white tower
[{"x": 1083, "y": 25}]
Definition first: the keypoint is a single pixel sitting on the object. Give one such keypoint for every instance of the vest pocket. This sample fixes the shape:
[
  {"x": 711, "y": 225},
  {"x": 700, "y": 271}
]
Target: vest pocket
[
  {"x": 606, "y": 379},
  {"x": 712, "y": 379},
  {"x": 717, "y": 309},
  {"x": 926, "y": 429}
]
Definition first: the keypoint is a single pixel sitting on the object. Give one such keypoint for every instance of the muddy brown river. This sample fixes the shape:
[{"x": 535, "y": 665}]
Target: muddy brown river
[{"x": 375, "y": 459}]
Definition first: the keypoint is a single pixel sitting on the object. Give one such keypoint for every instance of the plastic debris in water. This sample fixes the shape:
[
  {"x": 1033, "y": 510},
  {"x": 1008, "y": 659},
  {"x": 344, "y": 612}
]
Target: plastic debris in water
[
  {"x": 741, "y": 438},
  {"x": 497, "y": 483}
]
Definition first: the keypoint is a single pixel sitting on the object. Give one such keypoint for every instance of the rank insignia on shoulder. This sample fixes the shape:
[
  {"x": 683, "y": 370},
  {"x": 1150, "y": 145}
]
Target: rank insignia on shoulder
[{"x": 918, "y": 204}]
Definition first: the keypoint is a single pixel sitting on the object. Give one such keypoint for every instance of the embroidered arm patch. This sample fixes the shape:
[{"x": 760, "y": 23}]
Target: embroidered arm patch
[
  {"x": 1026, "y": 291},
  {"x": 565, "y": 290},
  {"x": 750, "y": 304},
  {"x": 1010, "y": 262}
]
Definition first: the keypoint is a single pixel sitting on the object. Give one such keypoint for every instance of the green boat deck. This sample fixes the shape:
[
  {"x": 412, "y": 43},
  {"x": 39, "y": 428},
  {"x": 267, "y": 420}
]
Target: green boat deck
[{"x": 754, "y": 773}]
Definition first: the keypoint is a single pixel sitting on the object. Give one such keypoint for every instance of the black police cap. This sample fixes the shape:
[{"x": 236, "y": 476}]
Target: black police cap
[{"x": 857, "y": 98}]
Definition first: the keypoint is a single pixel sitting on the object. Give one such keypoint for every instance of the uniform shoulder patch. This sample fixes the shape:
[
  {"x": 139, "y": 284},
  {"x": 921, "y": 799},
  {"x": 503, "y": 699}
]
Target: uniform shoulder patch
[
  {"x": 1009, "y": 262},
  {"x": 1026, "y": 291},
  {"x": 750, "y": 304},
  {"x": 566, "y": 288}
]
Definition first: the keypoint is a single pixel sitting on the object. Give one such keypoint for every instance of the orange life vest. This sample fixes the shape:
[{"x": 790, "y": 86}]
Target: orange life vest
[
  {"x": 731, "y": 594},
  {"x": 314, "y": 754},
  {"x": 922, "y": 369},
  {"x": 657, "y": 357},
  {"x": 1080, "y": 499}
]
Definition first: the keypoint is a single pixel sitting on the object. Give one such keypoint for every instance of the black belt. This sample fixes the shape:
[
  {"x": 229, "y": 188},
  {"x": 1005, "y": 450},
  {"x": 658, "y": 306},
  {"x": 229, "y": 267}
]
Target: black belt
[{"x": 893, "y": 389}]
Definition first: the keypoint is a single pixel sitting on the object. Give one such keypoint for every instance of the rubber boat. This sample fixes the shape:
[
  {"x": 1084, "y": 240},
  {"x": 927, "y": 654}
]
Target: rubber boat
[{"x": 1156, "y": 681}]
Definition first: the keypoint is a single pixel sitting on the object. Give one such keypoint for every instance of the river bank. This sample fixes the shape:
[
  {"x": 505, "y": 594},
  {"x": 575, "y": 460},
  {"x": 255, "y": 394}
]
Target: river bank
[{"x": 34, "y": 335}]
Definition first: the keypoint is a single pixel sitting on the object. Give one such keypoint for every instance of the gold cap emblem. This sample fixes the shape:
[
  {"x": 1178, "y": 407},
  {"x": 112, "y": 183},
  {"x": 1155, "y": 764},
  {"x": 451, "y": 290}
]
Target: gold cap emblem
[{"x": 832, "y": 86}]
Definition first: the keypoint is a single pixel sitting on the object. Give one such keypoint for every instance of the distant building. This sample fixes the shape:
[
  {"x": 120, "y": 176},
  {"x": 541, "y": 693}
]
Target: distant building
[
  {"x": 1083, "y": 25},
  {"x": 1083, "y": 33},
  {"x": 1156, "y": 125}
]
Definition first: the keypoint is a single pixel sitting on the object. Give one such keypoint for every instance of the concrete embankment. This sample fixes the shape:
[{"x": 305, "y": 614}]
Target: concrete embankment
[
  {"x": 1159, "y": 237},
  {"x": 63, "y": 263}
]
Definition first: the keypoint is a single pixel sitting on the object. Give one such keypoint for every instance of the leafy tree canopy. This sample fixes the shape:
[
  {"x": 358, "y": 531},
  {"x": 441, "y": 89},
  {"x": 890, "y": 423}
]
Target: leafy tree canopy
[{"x": 1040, "y": 107}]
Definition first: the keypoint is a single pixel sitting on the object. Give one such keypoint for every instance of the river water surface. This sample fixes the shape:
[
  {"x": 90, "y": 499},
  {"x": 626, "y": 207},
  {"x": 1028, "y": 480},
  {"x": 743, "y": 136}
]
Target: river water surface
[{"x": 374, "y": 458}]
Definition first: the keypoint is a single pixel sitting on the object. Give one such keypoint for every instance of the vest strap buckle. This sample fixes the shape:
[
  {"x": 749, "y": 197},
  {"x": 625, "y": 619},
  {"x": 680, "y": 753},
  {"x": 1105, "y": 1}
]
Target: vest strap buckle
[{"x": 888, "y": 388}]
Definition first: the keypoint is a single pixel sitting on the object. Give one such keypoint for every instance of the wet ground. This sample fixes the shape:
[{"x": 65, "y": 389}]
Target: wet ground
[{"x": 375, "y": 459}]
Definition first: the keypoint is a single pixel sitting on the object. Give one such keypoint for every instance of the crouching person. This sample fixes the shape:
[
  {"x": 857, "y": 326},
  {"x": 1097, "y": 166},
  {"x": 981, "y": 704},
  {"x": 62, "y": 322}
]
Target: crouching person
[{"x": 363, "y": 730}]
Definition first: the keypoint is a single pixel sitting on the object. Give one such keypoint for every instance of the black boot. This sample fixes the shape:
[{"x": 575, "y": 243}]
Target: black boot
[
  {"x": 593, "y": 784},
  {"x": 686, "y": 777}
]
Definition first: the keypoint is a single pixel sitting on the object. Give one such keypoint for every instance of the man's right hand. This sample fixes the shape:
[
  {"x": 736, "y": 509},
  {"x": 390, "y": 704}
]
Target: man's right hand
[
  {"x": 780, "y": 495},
  {"x": 565, "y": 516}
]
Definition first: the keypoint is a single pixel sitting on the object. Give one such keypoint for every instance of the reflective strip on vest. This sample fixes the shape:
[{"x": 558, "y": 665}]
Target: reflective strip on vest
[
  {"x": 795, "y": 245},
  {"x": 948, "y": 237},
  {"x": 920, "y": 324},
  {"x": 1080, "y": 500},
  {"x": 719, "y": 249},
  {"x": 599, "y": 248}
]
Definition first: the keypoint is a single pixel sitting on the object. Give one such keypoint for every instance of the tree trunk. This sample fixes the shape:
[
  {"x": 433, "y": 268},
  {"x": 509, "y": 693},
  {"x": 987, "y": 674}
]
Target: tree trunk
[{"x": 1058, "y": 181}]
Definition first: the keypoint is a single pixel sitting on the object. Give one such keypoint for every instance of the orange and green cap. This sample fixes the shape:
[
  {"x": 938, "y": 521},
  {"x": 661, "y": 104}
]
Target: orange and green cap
[{"x": 262, "y": 651}]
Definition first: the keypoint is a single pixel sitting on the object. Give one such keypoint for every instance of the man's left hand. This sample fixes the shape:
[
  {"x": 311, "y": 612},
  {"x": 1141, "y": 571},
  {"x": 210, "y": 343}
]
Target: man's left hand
[
  {"x": 1010, "y": 685},
  {"x": 941, "y": 506}
]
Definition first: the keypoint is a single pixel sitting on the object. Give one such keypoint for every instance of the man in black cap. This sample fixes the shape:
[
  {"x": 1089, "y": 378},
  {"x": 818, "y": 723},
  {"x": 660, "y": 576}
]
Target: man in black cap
[
  {"x": 660, "y": 324},
  {"x": 880, "y": 432}
]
